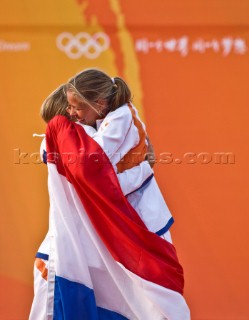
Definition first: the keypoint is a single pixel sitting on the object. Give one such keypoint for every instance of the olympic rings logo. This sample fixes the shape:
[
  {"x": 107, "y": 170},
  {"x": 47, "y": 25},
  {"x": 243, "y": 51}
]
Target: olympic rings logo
[{"x": 83, "y": 43}]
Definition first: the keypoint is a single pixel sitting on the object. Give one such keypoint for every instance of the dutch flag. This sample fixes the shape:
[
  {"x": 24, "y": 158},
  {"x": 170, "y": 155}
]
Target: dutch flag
[{"x": 103, "y": 263}]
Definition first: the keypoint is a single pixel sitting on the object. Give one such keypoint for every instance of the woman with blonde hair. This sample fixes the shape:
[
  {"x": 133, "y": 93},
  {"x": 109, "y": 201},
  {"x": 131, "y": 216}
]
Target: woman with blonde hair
[{"x": 105, "y": 260}]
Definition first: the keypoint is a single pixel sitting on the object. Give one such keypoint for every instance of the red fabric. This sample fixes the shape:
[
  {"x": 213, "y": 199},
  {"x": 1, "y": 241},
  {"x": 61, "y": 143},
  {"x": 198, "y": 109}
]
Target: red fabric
[{"x": 82, "y": 161}]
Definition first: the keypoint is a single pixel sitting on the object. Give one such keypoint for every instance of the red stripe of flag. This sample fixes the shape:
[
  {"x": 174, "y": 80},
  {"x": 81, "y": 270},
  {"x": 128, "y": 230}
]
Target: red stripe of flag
[{"x": 82, "y": 161}]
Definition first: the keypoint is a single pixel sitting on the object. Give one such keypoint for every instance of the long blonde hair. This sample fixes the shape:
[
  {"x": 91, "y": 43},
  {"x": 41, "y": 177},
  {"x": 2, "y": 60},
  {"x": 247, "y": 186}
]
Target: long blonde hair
[
  {"x": 56, "y": 103},
  {"x": 94, "y": 85}
]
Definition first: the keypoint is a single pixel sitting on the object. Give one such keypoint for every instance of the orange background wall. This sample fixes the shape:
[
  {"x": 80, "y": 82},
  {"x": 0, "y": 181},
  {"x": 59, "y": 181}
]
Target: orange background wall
[{"x": 193, "y": 96}]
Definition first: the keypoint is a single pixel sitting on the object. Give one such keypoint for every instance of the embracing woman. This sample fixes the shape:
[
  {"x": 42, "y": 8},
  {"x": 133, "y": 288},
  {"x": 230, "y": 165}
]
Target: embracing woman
[{"x": 104, "y": 255}]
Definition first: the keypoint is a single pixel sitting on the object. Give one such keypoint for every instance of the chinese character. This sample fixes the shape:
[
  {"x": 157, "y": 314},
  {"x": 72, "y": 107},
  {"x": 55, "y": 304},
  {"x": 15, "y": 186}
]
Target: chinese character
[
  {"x": 170, "y": 45},
  {"x": 182, "y": 46},
  {"x": 227, "y": 44},
  {"x": 214, "y": 44},
  {"x": 158, "y": 45},
  {"x": 199, "y": 46},
  {"x": 142, "y": 45},
  {"x": 240, "y": 46}
]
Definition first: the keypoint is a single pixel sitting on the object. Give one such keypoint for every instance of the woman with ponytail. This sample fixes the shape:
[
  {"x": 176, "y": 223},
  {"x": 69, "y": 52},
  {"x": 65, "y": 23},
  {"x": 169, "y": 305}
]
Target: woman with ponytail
[{"x": 96, "y": 99}]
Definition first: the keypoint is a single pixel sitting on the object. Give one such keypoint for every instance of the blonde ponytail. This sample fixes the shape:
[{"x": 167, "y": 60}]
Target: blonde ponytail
[{"x": 121, "y": 94}]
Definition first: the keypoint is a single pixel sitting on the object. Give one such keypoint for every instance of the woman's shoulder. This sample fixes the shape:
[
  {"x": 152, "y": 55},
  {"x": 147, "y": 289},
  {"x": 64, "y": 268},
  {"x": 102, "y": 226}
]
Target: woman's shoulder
[
  {"x": 123, "y": 110},
  {"x": 120, "y": 118}
]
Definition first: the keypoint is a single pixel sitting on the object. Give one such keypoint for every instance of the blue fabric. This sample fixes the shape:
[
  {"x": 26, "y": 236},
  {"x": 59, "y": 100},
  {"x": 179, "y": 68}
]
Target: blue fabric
[
  {"x": 42, "y": 256},
  {"x": 44, "y": 156},
  {"x": 166, "y": 228},
  {"x": 75, "y": 301},
  {"x": 143, "y": 184}
]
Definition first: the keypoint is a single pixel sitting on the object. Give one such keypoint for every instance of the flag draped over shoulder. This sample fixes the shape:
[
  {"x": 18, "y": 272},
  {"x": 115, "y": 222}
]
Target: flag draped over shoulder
[{"x": 103, "y": 262}]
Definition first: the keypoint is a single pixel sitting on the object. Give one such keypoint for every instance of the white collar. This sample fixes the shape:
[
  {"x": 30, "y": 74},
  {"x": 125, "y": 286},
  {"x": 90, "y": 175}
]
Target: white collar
[{"x": 98, "y": 123}]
